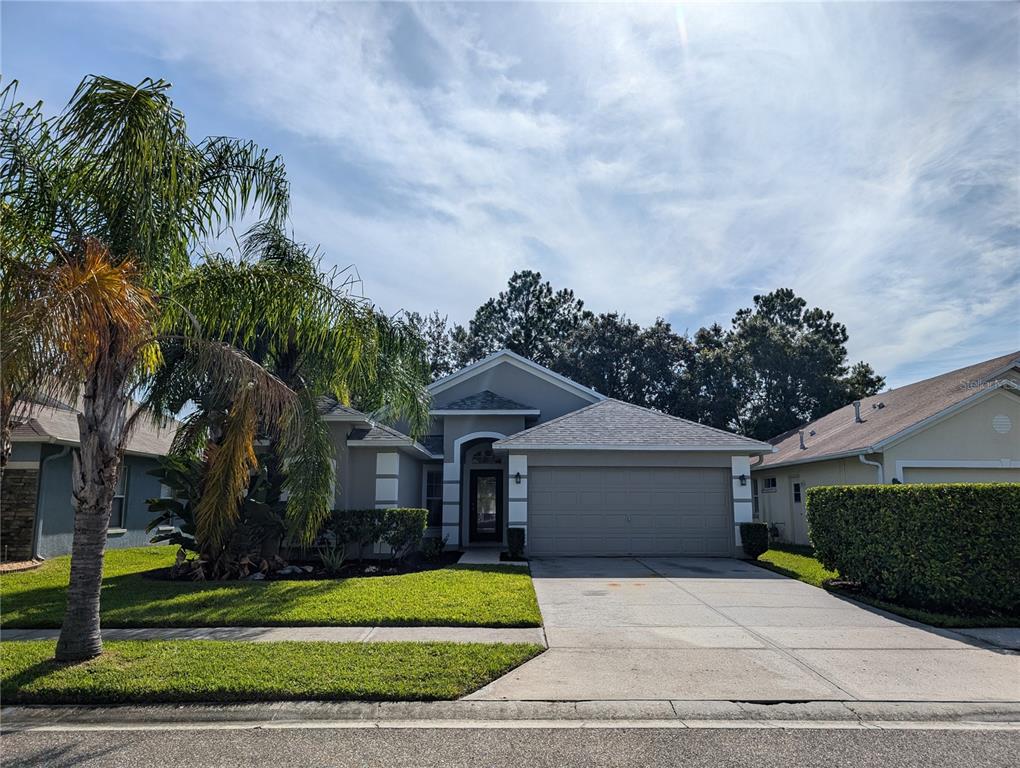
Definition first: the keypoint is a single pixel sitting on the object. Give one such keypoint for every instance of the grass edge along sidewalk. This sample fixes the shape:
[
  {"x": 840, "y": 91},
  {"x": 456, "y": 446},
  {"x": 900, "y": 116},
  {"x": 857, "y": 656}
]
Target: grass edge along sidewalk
[
  {"x": 160, "y": 671},
  {"x": 457, "y": 596}
]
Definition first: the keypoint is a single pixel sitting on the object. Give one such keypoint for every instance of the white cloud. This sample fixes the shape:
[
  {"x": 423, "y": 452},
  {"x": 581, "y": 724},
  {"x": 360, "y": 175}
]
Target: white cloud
[{"x": 864, "y": 154}]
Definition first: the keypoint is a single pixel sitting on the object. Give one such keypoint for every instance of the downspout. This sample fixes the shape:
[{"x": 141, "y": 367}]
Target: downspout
[
  {"x": 41, "y": 497},
  {"x": 877, "y": 465}
]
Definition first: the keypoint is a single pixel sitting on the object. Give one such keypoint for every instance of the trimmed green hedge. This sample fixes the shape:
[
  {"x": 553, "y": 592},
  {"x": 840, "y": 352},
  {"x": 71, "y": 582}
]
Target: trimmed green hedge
[{"x": 945, "y": 547}]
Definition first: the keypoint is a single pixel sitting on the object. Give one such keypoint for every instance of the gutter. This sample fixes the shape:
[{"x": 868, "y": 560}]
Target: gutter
[
  {"x": 40, "y": 497},
  {"x": 877, "y": 464}
]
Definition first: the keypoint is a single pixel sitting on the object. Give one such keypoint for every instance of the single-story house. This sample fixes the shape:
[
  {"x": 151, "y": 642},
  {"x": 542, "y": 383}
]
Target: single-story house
[
  {"x": 36, "y": 509},
  {"x": 961, "y": 426},
  {"x": 516, "y": 445}
]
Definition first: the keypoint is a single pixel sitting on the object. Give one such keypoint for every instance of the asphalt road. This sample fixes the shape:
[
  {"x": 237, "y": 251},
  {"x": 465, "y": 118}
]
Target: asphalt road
[{"x": 494, "y": 748}]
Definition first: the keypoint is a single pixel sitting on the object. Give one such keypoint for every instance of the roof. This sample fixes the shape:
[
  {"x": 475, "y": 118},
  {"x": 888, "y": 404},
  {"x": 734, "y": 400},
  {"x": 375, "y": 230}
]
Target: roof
[
  {"x": 59, "y": 424},
  {"x": 380, "y": 435},
  {"x": 615, "y": 425},
  {"x": 902, "y": 412},
  {"x": 486, "y": 400},
  {"x": 512, "y": 358},
  {"x": 334, "y": 411}
]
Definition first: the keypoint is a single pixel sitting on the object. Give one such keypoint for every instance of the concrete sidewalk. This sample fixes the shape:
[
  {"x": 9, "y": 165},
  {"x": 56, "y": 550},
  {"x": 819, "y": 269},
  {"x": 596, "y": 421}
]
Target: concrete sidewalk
[{"x": 307, "y": 634}]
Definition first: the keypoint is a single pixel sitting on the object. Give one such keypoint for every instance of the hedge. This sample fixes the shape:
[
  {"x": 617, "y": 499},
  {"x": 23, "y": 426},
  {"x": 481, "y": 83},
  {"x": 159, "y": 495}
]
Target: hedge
[{"x": 949, "y": 547}]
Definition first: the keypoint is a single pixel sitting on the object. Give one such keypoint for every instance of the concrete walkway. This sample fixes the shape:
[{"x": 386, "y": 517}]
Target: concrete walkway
[
  {"x": 717, "y": 629},
  {"x": 324, "y": 634}
]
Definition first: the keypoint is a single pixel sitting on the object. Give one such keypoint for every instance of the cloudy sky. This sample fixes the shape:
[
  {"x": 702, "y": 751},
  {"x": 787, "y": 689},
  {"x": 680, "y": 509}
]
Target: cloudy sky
[{"x": 661, "y": 160}]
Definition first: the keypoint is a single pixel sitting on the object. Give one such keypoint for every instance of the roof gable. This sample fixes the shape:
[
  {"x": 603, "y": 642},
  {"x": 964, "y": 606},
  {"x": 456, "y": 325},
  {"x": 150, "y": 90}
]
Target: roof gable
[
  {"x": 895, "y": 414},
  {"x": 615, "y": 425},
  {"x": 486, "y": 400},
  {"x": 511, "y": 358}
]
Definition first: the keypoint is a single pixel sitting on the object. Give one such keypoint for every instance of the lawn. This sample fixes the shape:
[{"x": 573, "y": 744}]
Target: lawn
[
  {"x": 468, "y": 596},
  {"x": 148, "y": 671},
  {"x": 798, "y": 563}
]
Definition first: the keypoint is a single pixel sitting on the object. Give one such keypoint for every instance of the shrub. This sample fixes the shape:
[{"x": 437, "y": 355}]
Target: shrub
[
  {"x": 754, "y": 538},
  {"x": 945, "y": 547},
  {"x": 515, "y": 543},
  {"x": 401, "y": 529},
  {"x": 433, "y": 547}
]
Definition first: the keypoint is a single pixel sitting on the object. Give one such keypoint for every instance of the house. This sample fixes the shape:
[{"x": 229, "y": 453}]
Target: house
[
  {"x": 36, "y": 511},
  {"x": 516, "y": 445},
  {"x": 962, "y": 426}
]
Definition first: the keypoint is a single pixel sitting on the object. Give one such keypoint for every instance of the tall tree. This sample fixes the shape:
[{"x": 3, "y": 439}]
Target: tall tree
[
  {"x": 103, "y": 207},
  {"x": 792, "y": 364},
  {"x": 439, "y": 350},
  {"x": 528, "y": 318}
]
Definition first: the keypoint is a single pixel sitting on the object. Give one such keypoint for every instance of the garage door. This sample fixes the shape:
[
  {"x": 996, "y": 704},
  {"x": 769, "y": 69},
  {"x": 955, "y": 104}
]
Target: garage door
[{"x": 625, "y": 511}]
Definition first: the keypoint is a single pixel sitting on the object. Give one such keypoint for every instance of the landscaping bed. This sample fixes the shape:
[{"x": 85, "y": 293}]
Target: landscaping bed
[
  {"x": 151, "y": 671},
  {"x": 465, "y": 596}
]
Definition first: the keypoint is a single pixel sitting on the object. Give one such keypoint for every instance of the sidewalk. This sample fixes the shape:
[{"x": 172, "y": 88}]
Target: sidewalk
[{"x": 307, "y": 634}]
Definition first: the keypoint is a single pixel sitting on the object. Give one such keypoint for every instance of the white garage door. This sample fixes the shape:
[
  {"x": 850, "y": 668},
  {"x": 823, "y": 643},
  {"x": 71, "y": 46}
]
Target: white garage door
[{"x": 629, "y": 511}]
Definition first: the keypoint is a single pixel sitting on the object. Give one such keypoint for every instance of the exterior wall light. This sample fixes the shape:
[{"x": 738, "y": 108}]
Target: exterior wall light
[
  {"x": 517, "y": 478},
  {"x": 743, "y": 479}
]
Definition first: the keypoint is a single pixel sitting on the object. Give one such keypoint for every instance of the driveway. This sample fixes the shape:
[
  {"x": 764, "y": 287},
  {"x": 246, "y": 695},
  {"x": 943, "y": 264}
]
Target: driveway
[{"x": 719, "y": 629}]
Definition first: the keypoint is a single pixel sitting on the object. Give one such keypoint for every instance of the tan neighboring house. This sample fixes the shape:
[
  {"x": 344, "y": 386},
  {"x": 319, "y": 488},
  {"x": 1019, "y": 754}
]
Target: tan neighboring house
[{"x": 962, "y": 426}]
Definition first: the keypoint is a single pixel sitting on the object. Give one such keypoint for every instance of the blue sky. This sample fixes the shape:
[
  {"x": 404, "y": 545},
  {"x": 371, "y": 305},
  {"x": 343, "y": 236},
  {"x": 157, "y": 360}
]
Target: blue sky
[{"x": 661, "y": 160}]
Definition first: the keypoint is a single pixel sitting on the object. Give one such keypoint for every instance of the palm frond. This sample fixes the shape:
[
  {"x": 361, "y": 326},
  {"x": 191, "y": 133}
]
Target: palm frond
[{"x": 308, "y": 455}]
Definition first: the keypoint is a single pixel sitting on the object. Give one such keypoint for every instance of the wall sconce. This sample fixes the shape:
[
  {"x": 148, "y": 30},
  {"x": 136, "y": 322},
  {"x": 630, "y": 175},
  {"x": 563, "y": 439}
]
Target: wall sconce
[
  {"x": 517, "y": 478},
  {"x": 743, "y": 479}
]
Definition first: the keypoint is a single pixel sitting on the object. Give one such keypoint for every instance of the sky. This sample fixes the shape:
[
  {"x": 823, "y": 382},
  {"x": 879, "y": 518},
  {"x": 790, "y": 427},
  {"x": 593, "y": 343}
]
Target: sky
[{"x": 666, "y": 160}]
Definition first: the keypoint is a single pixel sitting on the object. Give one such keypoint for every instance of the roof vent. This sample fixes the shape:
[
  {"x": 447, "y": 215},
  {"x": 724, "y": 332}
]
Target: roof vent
[
  {"x": 857, "y": 411},
  {"x": 878, "y": 406},
  {"x": 802, "y": 446}
]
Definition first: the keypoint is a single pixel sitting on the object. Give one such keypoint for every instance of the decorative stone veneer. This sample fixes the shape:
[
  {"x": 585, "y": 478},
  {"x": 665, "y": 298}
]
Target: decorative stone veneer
[{"x": 18, "y": 497}]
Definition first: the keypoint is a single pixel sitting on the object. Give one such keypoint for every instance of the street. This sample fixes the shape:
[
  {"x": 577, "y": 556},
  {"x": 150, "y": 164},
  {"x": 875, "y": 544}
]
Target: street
[{"x": 303, "y": 747}]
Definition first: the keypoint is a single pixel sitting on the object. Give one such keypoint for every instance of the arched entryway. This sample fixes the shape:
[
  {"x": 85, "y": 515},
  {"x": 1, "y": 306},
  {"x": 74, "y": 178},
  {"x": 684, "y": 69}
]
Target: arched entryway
[{"x": 484, "y": 482}]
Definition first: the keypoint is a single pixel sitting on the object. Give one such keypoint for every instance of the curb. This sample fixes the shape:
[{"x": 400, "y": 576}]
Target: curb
[{"x": 31, "y": 717}]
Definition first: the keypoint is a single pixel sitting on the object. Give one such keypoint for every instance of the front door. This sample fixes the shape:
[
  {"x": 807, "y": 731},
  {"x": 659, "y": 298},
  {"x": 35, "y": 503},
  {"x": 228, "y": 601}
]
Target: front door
[{"x": 486, "y": 505}]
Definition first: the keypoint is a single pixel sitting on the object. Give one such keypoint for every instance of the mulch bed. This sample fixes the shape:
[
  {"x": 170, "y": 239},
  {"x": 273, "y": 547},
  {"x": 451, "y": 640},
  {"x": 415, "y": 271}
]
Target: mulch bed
[{"x": 20, "y": 565}]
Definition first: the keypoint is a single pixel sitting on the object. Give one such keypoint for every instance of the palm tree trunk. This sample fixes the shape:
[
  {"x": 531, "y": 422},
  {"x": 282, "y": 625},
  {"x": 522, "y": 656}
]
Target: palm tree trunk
[{"x": 97, "y": 466}]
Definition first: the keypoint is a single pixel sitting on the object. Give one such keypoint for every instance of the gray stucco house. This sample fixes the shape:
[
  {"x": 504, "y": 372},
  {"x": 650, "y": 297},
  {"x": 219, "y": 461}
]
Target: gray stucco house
[
  {"x": 36, "y": 511},
  {"x": 515, "y": 445}
]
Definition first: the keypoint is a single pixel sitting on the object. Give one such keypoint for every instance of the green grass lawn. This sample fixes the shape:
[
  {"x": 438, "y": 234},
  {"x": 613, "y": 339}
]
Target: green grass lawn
[
  {"x": 798, "y": 563},
  {"x": 469, "y": 596},
  {"x": 147, "y": 671}
]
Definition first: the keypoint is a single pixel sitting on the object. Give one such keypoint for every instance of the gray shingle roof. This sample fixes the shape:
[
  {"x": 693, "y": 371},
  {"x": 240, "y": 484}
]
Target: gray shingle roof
[
  {"x": 330, "y": 407},
  {"x": 59, "y": 424},
  {"x": 485, "y": 400},
  {"x": 615, "y": 424},
  {"x": 378, "y": 433},
  {"x": 837, "y": 433}
]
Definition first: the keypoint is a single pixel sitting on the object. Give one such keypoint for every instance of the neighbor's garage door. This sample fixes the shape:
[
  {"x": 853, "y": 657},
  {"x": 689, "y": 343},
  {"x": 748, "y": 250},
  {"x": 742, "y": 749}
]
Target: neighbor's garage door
[
  {"x": 625, "y": 511},
  {"x": 960, "y": 475}
]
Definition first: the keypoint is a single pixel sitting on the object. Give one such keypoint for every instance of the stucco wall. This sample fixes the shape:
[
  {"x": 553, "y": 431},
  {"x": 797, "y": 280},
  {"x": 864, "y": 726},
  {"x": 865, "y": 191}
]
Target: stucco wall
[
  {"x": 55, "y": 504},
  {"x": 361, "y": 478},
  {"x": 409, "y": 485},
  {"x": 967, "y": 436},
  {"x": 456, "y": 427},
  {"x": 627, "y": 459},
  {"x": 519, "y": 385},
  {"x": 778, "y": 507}
]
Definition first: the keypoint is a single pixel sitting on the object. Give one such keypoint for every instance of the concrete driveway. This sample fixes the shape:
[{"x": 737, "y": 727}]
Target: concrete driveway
[{"x": 719, "y": 629}]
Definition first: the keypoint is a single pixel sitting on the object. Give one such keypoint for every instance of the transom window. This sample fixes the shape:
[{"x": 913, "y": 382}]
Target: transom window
[{"x": 483, "y": 454}]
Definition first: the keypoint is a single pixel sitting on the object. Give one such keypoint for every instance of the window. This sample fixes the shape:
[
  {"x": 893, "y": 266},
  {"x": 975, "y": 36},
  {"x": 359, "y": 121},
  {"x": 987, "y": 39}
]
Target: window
[
  {"x": 119, "y": 496},
  {"x": 769, "y": 484},
  {"x": 434, "y": 495},
  {"x": 796, "y": 493}
]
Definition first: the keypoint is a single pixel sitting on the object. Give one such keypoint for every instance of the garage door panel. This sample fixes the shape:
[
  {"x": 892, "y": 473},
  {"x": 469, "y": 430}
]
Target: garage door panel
[{"x": 619, "y": 511}]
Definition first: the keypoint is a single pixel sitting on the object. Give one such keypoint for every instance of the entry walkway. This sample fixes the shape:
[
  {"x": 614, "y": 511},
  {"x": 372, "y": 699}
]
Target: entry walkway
[{"x": 721, "y": 629}]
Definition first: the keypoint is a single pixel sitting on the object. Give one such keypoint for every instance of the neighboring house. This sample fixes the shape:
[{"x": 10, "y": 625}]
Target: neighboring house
[
  {"x": 962, "y": 426},
  {"x": 515, "y": 445},
  {"x": 36, "y": 511}
]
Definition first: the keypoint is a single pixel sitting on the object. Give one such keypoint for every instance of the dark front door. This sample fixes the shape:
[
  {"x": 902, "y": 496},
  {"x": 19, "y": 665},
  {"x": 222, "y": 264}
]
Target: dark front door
[{"x": 486, "y": 505}]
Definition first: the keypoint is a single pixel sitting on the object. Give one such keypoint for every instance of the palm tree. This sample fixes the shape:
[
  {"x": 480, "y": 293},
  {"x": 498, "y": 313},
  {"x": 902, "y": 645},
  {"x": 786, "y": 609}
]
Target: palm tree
[
  {"x": 334, "y": 344},
  {"x": 103, "y": 207}
]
